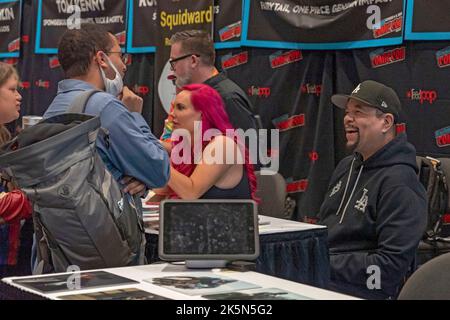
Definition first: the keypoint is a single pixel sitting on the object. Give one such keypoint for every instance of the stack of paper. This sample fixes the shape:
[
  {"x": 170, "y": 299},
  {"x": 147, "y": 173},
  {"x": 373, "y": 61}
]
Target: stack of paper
[{"x": 150, "y": 210}]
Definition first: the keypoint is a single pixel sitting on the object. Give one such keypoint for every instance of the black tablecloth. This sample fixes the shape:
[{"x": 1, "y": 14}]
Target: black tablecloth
[{"x": 23, "y": 267}]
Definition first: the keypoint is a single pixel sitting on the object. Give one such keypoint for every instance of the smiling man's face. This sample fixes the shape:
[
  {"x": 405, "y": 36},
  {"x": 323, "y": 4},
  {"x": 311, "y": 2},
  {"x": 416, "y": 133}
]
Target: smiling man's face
[{"x": 363, "y": 128}]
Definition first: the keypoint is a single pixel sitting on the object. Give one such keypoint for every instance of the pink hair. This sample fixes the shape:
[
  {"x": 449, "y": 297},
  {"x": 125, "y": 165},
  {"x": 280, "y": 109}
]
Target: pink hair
[{"x": 208, "y": 101}]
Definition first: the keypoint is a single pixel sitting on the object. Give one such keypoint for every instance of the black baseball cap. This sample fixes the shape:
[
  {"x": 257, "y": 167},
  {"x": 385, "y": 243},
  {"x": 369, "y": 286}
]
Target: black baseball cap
[{"x": 374, "y": 94}]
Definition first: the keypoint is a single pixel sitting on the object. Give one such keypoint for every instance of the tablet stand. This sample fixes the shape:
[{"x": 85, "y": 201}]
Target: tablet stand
[{"x": 206, "y": 264}]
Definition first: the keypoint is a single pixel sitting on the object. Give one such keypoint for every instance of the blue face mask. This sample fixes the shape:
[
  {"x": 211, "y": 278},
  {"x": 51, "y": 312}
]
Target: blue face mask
[{"x": 114, "y": 86}]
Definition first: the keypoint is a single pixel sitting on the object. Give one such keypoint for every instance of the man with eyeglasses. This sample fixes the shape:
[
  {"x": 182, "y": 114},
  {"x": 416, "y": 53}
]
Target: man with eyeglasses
[
  {"x": 92, "y": 58},
  {"x": 192, "y": 57}
]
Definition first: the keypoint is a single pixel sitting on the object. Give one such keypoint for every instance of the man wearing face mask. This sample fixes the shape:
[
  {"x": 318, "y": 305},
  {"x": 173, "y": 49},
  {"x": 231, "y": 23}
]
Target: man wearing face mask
[{"x": 92, "y": 59}]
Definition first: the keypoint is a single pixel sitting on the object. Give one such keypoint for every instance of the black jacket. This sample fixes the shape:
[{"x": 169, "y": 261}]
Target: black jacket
[
  {"x": 237, "y": 104},
  {"x": 376, "y": 213}
]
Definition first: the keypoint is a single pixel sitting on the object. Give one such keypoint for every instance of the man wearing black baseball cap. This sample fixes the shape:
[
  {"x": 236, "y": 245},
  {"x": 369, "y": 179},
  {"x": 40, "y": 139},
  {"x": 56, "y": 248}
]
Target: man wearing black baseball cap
[
  {"x": 375, "y": 208},
  {"x": 369, "y": 98}
]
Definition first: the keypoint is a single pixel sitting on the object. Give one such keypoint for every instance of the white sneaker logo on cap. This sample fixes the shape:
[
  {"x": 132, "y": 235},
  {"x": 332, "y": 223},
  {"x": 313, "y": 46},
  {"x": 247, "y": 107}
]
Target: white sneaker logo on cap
[
  {"x": 357, "y": 89},
  {"x": 384, "y": 104}
]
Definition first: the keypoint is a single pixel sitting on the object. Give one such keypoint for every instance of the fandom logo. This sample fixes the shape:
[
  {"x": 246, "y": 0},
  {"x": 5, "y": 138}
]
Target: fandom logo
[
  {"x": 53, "y": 62},
  {"x": 231, "y": 31},
  {"x": 296, "y": 186},
  {"x": 279, "y": 59},
  {"x": 229, "y": 61},
  {"x": 141, "y": 90},
  {"x": 422, "y": 95},
  {"x": 285, "y": 122},
  {"x": 443, "y": 57},
  {"x": 25, "y": 38},
  {"x": 443, "y": 137},
  {"x": 388, "y": 27},
  {"x": 379, "y": 57},
  {"x": 311, "y": 89},
  {"x": 42, "y": 84},
  {"x": 262, "y": 92}
]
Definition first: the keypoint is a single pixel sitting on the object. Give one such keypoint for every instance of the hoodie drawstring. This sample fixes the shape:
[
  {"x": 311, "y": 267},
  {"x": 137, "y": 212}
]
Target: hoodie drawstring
[
  {"x": 351, "y": 194},
  {"x": 346, "y": 186}
]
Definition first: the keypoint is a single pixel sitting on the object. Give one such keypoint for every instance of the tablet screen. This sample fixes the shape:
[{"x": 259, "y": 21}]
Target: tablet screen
[{"x": 215, "y": 229}]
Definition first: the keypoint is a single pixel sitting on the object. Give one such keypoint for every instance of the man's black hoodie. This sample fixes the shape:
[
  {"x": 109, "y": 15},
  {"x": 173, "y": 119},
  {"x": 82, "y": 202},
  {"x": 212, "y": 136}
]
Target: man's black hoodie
[{"x": 376, "y": 213}]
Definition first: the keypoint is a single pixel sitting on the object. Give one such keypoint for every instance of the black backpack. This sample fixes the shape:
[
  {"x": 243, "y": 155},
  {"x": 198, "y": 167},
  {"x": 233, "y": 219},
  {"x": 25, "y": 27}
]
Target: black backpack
[
  {"x": 81, "y": 216},
  {"x": 432, "y": 176}
]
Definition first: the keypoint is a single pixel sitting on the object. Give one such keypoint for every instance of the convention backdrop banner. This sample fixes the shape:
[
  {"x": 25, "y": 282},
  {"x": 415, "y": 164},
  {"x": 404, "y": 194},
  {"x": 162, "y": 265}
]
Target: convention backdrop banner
[
  {"x": 227, "y": 23},
  {"x": 54, "y": 17},
  {"x": 174, "y": 16},
  {"x": 427, "y": 20},
  {"x": 290, "y": 90},
  {"x": 10, "y": 16},
  {"x": 296, "y": 24},
  {"x": 142, "y": 24}
]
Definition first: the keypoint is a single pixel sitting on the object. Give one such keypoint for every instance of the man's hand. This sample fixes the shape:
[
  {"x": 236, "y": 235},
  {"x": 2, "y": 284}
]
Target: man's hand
[
  {"x": 133, "y": 186},
  {"x": 131, "y": 100}
]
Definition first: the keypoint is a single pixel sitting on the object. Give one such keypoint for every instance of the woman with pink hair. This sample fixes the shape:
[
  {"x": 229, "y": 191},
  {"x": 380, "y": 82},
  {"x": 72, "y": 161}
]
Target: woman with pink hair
[{"x": 202, "y": 166}]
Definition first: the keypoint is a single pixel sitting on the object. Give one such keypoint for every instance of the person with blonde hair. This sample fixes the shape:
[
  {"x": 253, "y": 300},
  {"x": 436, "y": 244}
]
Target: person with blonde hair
[
  {"x": 14, "y": 206},
  {"x": 9, "y": 99}
]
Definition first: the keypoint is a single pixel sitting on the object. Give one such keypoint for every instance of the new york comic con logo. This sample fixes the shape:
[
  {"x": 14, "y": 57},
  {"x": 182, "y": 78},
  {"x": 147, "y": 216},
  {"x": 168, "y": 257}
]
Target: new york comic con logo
[
  {"x": 25, "y": 85},
  {"x": 296, "y": 186},
  {"x": 121, "y": 37},
  {"x": 14, "y": 45},
  {"x": 230, "y": 61},
  {"x": 443, "y": 57},
  {"x": 389, "y": 25},
  {"x": 380, "y": 57},
  {"x": 285, "y": 122},
  {"x": 11, "y": 61},
  {"x": 53, "y": 62},
  {"x": 422, "y": 95},
  {"x": 442, "y": 137},
  {"x": 231, "y": 31},
  {"x": 280, "y": 58}
]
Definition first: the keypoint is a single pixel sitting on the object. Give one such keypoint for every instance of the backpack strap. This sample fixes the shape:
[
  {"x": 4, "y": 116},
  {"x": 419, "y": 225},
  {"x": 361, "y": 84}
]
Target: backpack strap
[
  {"x": 79, "y": 106},
  {"x": 435, "y": 182},
  {"x": 80, "y": 102}
]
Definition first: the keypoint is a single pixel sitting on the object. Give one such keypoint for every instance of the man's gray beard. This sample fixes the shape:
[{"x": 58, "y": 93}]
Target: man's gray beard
[{"x": 181, "y": 82}]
